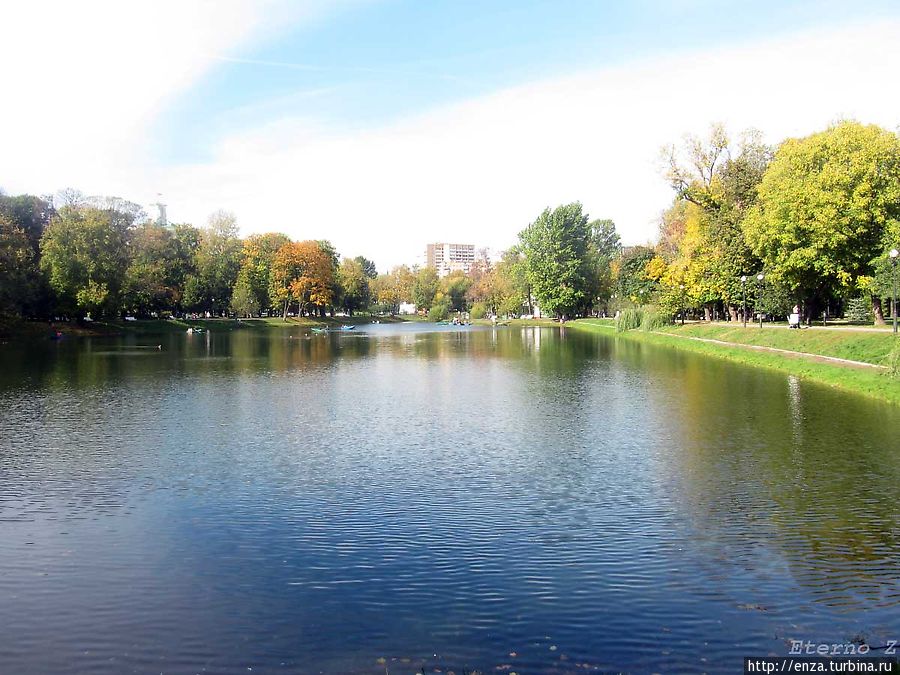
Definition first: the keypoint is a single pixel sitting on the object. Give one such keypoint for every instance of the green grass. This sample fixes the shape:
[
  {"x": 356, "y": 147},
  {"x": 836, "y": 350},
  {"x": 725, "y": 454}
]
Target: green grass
[
  {"x": 868, "y": 347},
  {"x": 858, "y": 346}
]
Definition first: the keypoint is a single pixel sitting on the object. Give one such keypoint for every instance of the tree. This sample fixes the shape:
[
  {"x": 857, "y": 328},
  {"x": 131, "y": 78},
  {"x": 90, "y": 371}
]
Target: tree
[
  {"x": 302, "y": 272},
  {"x": 368, "y": 266},
  {"x": 393, "y": 288},
  {"x": 632, "y": 278},
  {"x": 424, "y": 287},
  {"x": 30, "y": 214},
  {"x": 454, "y": 287},
  {"x": 244, "y": 299},
  {"x": 354, "y": 285},
  {"x": 701, "y": 237},
  {"x": 606, "y": 246},
  {"x": 824, "y": 204},
  {"x": 85, "y": 254},
  {"x": 217, "y": 260},
  {"x": 152, "y": 277},
  {"x": 512, "y": 288},
  {"x": 257, "y": 255},
  {"x": 17, "y": 266},
  {"x": 557, "y": 259}
]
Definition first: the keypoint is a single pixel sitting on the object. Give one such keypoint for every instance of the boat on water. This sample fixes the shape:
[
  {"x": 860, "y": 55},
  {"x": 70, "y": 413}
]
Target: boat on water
[
  {"x": 347, "y": 327},
  {"x": 319, "y": 330}
]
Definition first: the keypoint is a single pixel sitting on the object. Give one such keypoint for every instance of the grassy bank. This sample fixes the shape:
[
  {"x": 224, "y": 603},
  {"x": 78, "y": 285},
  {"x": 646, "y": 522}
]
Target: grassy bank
[{"x": 858, "y": 346}]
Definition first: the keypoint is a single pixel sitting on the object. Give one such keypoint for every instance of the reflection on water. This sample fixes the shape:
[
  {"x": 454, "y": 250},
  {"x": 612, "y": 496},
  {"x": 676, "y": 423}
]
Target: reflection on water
[{"x": 533, "y": 500}]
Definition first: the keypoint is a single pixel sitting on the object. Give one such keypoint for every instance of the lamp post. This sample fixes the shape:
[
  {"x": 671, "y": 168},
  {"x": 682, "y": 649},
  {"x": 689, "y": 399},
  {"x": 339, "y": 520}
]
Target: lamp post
[
  {"x": 759, "y": 278},
  {"x": 894, "y": 253},
  {"x": 744, "y": 298}
]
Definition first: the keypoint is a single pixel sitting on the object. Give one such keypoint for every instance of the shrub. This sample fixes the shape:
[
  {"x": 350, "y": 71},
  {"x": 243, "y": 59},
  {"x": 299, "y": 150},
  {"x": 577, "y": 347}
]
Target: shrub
[
  {"x": 440, "y": 310},
  {"x": 478, "y": 311},
  {"x": 859, "y": 311},
  {"x": 629, "y": 319},
  {"x": 653, "y": 319},
  {"x": 892, "y": 362}
]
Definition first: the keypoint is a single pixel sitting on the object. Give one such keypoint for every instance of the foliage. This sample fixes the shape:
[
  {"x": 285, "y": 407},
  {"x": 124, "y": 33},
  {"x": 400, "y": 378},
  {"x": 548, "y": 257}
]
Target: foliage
[
  {"x": 217, "y": 260},
  {"x": 244, "y": 300},
  {"x": 17, "y": 268},
  {"x": 892, "y": 361},
  {"x": 85, "y": 254},
  {"x": 393, "y": 288},
  {"x": 629, "y": 319},
  {"x": 354, "y": 285},
  {"x": 858, "y": 311},
  {"x": 440, "y": 309},
  {"x": 424, "y": 287},
  {"x": 653, "y": 319},
  {"x": 558, "y": 265},
  {"x": 454, "y": 287},
  {"x": 478, "y": 310},
  {"x": 257, "y": 256},
  {"x": 824, "y": 204},
  {"x": 302, "y": 272}
]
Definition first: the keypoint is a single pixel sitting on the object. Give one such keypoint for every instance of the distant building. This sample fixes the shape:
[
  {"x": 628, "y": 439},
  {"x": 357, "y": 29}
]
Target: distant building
[{"x": 447, "y": 258}]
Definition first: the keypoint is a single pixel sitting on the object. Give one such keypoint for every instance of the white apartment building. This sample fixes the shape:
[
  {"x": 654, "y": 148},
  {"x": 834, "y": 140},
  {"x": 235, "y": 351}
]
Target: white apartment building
[{"x": 447, "y": 258}]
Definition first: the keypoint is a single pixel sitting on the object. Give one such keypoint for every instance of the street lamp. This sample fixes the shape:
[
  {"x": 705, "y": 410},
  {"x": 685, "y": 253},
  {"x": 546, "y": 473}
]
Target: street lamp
[
  {"x": 744, "y": 297},
  {"x": 759, "y": 278},
  {"x": 894, "y": 253}
]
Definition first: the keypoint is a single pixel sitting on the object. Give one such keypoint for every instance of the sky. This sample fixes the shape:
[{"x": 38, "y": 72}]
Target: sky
[{"x": 385, "y": 124}]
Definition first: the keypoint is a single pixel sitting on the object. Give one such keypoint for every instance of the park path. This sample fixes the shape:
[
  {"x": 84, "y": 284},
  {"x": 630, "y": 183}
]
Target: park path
[{"x": 805, "y": 355}]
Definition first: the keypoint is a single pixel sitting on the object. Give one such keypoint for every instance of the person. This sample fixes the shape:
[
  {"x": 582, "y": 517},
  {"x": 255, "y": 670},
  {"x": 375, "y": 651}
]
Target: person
[{"x": 794, "y": 318}]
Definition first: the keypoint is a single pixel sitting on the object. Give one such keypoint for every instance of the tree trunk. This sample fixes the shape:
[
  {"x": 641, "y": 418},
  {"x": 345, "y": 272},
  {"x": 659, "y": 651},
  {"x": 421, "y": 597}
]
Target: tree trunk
[
  {"x": 707, "y": 315},
  {"x": 284, "y": 311},
  {"x": 733, "y": 313},
  {"x": 877, "y": 311}
]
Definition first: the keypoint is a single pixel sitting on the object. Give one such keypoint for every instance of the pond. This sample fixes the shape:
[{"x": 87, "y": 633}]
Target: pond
[{"x": 406, "y": 498}]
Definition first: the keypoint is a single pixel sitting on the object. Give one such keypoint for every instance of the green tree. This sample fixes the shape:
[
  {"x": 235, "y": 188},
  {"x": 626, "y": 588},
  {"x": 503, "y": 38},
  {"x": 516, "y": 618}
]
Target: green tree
[
  {"x": 368, "y": 266},
  {"x": 244, "y": 298},
  {"x": 217, "y": 260},
  {"x": 257, "y": 254},
  {"x": 85, "y": 254},
  {"x": 424, "y": 288},
  {"x": 824, "y": 204},
  {"x": 17, "y": 268},
  {"x": 454, "y": 287},
  {"x": 354, "y": 285},
  {"x": 557, "y": 259},
  {"x": 151, "y": 279},
  {"x": 606, "y": 247}
]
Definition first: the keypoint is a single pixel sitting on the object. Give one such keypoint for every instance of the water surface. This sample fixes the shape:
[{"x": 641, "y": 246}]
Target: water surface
[{"x": 402, "y": 498}]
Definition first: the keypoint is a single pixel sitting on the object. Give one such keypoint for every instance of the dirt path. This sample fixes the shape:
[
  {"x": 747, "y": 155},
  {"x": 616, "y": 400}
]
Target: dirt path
[{"x": 803, "y": 355}]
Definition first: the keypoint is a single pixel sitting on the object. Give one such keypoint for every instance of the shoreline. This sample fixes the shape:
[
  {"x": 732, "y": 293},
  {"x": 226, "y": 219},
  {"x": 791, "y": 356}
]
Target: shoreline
[{"x": 866, "y": 377}]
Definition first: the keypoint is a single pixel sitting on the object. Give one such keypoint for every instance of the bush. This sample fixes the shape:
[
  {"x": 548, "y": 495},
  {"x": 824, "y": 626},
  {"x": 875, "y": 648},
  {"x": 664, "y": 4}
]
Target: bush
[
  {"x": 440, "y": 310},
  {"x": 653, "y": 319},
  {"x": 892, "y": 362},
  {"x": 478, "y": 311},
  {"x": 859, "y": 310},
  {"x": 629, "y": 319}
]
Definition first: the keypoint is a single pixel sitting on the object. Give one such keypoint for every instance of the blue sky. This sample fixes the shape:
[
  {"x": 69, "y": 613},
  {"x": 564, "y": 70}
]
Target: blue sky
[
  {"x": 376, "y": 61},
  {"x": 384, "y": 124}
]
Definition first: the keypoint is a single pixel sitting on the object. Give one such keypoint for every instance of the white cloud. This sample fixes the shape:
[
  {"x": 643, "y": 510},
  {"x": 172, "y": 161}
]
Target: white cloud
[
  {"x": 84, "y": 80},
  {"x": 478, "y": 171}
]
